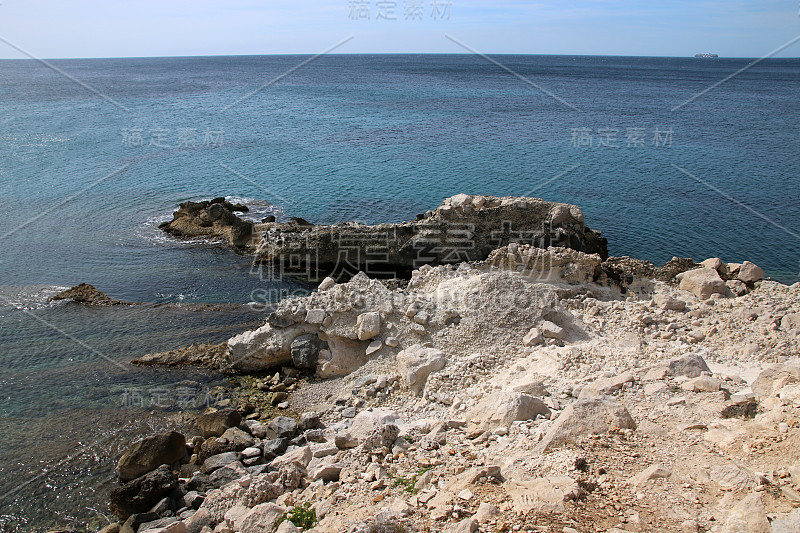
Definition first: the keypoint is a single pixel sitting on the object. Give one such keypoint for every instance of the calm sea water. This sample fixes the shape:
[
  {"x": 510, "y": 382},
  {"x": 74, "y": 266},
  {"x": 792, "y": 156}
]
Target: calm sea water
[{"x": 90, "y": 165}]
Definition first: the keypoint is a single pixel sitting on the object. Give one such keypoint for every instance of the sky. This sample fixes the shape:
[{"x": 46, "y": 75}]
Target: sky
[{"x": 125, "y": 28}]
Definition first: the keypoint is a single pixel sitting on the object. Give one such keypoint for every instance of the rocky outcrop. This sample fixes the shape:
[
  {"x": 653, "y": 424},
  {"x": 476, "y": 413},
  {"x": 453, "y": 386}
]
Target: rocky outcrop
[
  {"x": 202, "y": 355},
  {"x": 212, "y": 218},
  {"x": 86, "y": 294},
  {"x": 463, "y": 228}
]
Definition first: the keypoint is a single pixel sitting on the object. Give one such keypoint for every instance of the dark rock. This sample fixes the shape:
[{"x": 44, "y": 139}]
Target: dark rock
[
  {"x": 132, "y": 524},
  {"x": 300, "y": 222},
  {"x": 216, "y": 462},
  {"x": 86, "y": 294},
  {"x": 228, "y": 473},
  {"x": 188, "y": 470},
  {"x": 214, "y": 446},
  {"x": 305, "y": 350},
  {"x": 192, "y": 499},
  {"x": 202, "y": 355},
  {"x": 299, "y": 440},
  {"x": 238, "y": 439},
  {"x": 748, "y": 409},
  {"x": 274, "y": 447},
  {"x": 161, "y": 507},
  {"x": 213, "y": 218},
  {"x": 139, "y": 495},
  {"x": 178, "y": 492},
  {"x": 690, "y": 365},
  {"x": 308, "y": 420},
  {"x": 281, "y": 427},
  {"x": 199, "y": 483},
  {"x": 158, "y": 524},
  {"x": 150, "y": 453},
  {"x": 268, "y": 219},
  {"x": 258, "y": 469},
  {"x": 215, "y": 424}
]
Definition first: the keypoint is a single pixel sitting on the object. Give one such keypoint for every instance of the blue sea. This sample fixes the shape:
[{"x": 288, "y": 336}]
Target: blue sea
[{"x": 663, "y": 158}]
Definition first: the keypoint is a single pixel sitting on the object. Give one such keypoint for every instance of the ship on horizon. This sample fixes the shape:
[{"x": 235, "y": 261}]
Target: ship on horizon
[{"x": 706, "y": 56}]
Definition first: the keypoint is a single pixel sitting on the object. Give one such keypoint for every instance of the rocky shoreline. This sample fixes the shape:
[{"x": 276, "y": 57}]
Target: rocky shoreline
[{"x": 525, "y": 389}]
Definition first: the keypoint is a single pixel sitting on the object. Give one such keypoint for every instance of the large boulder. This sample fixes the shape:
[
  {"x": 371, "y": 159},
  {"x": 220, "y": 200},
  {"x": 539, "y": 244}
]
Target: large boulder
[
  {"x": 368, "y": 325},
  {"x": 604, "y": 386},
  {"x": 261, "y": 518},
  {"x": 364, "y": 425},
  {"x": 417, "y": 363},
  {"x": 305, "y": 350},
  {"x": 281, "y": 427},
  {"x": 237, "y": 439},
  {"x": 216, "y": 423},
  {"x": 750, "y": 272},
  {"x": 500, "y": 410},
  {"x": 773, "y": 379},
  {"x": 215, "y": 462},
  {"x": 703, "y": 282},
  {"x": 151, "y": 452},
  {"x": 139, "y": 495},
  {"x": 266, "y": 347},
  {"x": 690, "y": 365},
  {"x": 586, "y": 417},
  {"x": 748, "y": 516}
]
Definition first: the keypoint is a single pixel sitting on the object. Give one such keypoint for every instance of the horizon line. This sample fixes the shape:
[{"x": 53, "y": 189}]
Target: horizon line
[{"x": 379, "y": 54}]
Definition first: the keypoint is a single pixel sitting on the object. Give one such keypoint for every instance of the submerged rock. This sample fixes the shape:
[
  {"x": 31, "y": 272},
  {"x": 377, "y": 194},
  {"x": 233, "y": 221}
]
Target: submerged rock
[
  {"x": 86, "y": 294},
  {"x": 203, "y": 355}
]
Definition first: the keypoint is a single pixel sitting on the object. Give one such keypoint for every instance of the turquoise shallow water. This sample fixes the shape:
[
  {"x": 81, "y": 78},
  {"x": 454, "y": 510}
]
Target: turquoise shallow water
[{"x": 85, "y": 178}]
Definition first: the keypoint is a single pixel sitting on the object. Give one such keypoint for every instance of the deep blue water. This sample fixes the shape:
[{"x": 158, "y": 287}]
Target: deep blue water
[{"x": 88, "y": 168}]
